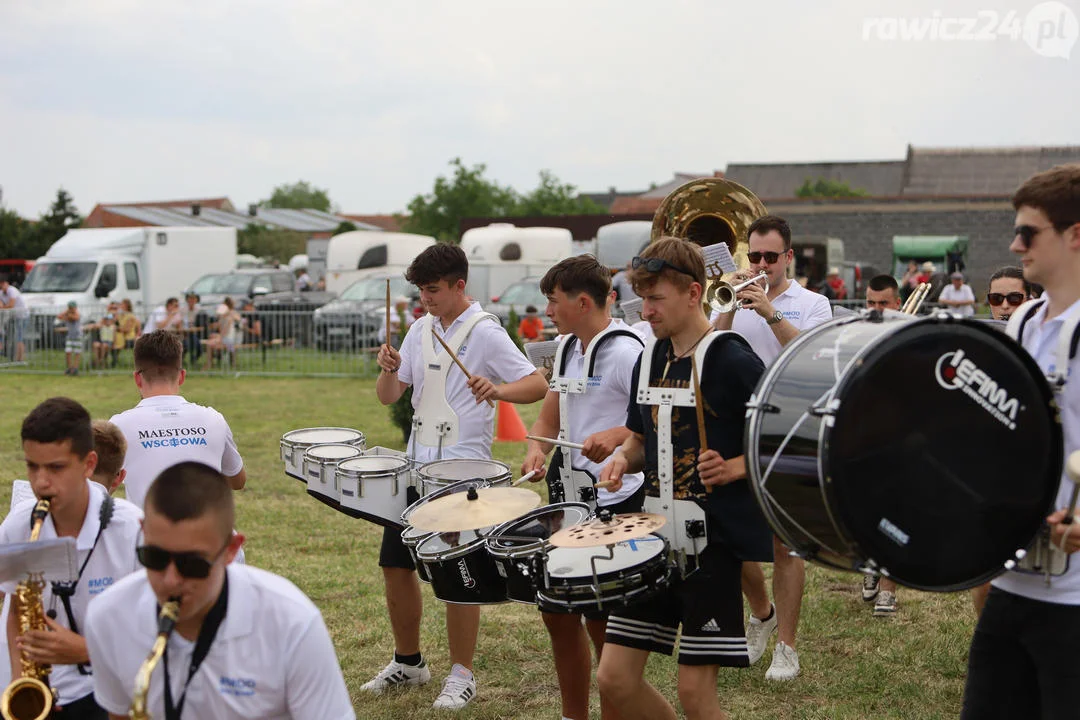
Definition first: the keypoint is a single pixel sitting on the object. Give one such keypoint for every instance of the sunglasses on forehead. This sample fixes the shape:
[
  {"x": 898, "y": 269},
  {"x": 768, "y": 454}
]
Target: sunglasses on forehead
[
  {"x": 190, "y": 565},
  {"x": 770, "y": 257},
  {"x": 1013, "y": 298},
  {"x": 655, "y": 265}
]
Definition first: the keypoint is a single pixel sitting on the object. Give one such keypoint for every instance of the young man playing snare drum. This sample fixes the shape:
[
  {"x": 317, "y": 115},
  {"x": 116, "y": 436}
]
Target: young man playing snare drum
[
  {"x": 578, "y": 291},
  {"x": 452, "y": 419},
  {"x": 705, "y": 597}
]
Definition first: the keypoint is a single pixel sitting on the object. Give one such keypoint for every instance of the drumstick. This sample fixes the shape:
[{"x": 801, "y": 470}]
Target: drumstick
[
  {"x": 525, "y": 478},
  {"x": 703, "y": 441},
  {"x": 605, "y": 484},
  {"x": 388, "y": 313},
  {"x": 556, "y": 441},
  {"x": 455, "y": 359}
]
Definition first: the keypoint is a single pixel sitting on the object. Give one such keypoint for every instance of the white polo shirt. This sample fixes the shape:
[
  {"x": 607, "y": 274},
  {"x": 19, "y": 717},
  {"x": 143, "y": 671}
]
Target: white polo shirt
[
  {"x": 1040, "y": 339},
  {"x": 113, "y": 559},
  {"x": 488, "y": 352},
  {"x": 963, "y": 293},
  {"x": 165, "y": 430},
  {"x": 801, "y": 307},
  {"x": 603, "y": 405},
  {"x": 12, "y": 293},
  {"x": 271, "y": 658}
]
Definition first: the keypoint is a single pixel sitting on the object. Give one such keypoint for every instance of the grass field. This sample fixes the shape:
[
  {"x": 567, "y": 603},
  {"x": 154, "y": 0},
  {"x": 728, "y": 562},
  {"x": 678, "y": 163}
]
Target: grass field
[{"x": 854, "y": 666}]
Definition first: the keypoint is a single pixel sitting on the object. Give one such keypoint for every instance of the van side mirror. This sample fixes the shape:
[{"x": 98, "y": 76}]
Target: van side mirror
[{"x": 101, "y": 291}]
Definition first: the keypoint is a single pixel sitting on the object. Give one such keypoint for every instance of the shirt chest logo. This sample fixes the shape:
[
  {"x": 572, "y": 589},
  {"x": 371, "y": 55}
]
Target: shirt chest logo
[
  {"x": 236, "y": 686},
  {"x": 95, "y": 586}
]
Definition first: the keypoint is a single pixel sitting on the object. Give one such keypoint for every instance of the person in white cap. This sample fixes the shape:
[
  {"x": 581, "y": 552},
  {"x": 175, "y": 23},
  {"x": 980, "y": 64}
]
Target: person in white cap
[
  {"x": 837, "y": 283},
  {"x": 958, "y": 296}
]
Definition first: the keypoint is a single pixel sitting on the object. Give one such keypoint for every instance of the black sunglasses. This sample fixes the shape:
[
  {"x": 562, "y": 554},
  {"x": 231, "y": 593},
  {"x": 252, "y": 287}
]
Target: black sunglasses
[
  {"x": 1027, "y": 234},
  {"x": 770, "y": 257},
  {"x": 1014, "y": 298},
  {"x": 655, "y": 265},
  {"x": 191, "y": 565}
]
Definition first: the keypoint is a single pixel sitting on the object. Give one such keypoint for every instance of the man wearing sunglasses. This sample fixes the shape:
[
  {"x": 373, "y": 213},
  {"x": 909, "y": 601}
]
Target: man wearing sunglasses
[
  {"x": 58, "y": 445},
  {"x": 769, "y": 321},
  {"x": 247, "y": 643},
  {"x": 1022, "y": 659},
  {"x": 1008, "y": 290}
]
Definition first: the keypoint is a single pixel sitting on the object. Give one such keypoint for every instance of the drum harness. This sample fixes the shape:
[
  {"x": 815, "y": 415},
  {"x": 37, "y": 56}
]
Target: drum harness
[
  {"x": 686, "y": 528},
  {"x": 435, "y": 423},
  {"x": 574, "y": 484},
  {"x": 1042, "y": 556}
]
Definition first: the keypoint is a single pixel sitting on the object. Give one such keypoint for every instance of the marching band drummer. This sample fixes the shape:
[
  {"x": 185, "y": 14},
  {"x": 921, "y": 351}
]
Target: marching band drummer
[
  {"x": 58, "y": 443},
  {"x": 1022, "y": 661},
  {"x": 578, "y": 291},
  {"x": 707, "y": 603},
  {"x": 246, "y": 644},
  {"x": 451, "y": 420}
]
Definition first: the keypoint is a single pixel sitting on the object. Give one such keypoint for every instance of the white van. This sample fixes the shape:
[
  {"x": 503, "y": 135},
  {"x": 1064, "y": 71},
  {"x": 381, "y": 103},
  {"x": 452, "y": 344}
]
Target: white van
[
  {"x": 355, "y": 254},
  {"x": 617, "y": 243},
  {"x": 501, "y": 253}
]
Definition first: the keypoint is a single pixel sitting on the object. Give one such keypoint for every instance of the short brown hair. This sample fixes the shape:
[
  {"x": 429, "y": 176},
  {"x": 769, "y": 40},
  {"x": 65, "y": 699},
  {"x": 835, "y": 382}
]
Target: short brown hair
[
  {"x": 190, "y": 490},
  {"x": 679, "y": 253},
  {"x": 1056, "y": 192},
  {"x": 579, "y": 274},
  {"x": 111, "y": 448},
  {"x": 768, "y": 223},
  {"x": 158, "y": 356},
  {"x": 58, "y": 419},
  {"x": 441, "y": 261}
]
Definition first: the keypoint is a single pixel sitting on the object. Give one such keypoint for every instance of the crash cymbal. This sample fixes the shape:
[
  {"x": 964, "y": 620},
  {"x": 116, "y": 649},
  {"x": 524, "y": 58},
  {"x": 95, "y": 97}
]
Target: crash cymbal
[
  {"x": 474, "y": 509},
  {"x": 597, "y": 532}
]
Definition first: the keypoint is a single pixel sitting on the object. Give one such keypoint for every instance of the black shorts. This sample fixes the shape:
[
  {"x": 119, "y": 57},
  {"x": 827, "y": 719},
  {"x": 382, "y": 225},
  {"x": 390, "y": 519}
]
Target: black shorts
[
  {"x": 85, "y": 708},
  {"x": 630, "y": 504},
  {"x": 1022, "y": 662},
  {"x": 392, "y": 552},
  {"x": 708, "y": 606}
]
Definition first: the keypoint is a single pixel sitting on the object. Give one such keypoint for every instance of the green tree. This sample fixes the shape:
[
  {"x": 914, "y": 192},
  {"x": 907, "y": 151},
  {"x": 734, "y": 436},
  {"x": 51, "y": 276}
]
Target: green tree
[
  {"x": 270, "y": 243},
  {"x": 298, "y": 196},
  {"x": 344, "y": 227},
  {"x": 401, "y": 411},
  {"x": 53, "y": 225},
  {"x": 824, "y": 188},
  {"x": 14, "y": 235},
  {"x": 467, "y": 194},
  {"x": 554, "y": 198}
]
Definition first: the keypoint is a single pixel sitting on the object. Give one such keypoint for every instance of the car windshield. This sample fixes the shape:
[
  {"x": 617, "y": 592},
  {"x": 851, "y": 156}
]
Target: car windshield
[
  {"x": 230, "y": 284},
  {"x": 526, "y": 293},
  {"x": 375, "y": 289},
  {"x": 60, "y": 277}
]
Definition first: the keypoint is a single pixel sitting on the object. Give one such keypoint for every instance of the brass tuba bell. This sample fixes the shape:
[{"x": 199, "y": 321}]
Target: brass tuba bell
[{"x": 708, "y": 211}]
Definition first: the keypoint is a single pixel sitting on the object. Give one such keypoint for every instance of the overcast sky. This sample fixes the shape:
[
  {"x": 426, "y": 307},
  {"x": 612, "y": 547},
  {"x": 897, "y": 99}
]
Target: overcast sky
[{"x": 127, "y": 100}]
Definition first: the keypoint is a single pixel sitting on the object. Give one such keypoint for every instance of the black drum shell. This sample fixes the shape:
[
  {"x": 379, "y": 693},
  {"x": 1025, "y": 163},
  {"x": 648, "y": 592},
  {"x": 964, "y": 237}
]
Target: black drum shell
[{"x": 466, "y": 578}]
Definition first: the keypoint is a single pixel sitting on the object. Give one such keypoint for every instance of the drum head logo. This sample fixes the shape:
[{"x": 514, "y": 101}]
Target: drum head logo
[
  {"x": 466, "y": 577},
  {"x": 954, "y": 371}
]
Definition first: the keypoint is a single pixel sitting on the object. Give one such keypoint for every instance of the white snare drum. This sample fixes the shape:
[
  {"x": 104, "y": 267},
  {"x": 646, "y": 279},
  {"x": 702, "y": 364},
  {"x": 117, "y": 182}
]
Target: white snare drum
[
  {"x": 373, "y": 487},
  {"x": 296, "y": 442},
  {"x": 320, "y": 468},
  {"x": 441, "y": 473},
  {"x": 577, "y": 580}
]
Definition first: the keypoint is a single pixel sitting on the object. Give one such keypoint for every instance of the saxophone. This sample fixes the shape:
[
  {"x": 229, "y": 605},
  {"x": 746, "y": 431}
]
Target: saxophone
[
  {"x": 29, "y": 697},
  {"x": 166, "y": 622}
]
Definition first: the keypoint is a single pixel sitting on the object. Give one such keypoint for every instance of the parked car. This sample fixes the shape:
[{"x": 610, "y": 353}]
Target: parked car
[
  {"x": 519, "y": 296},
  {"x": 240, "y": 285},
  {"x": 353, "y": 319}
]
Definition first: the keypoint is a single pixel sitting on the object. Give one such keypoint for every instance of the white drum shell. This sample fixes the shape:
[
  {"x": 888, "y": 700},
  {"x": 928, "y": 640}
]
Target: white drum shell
[{"x": 296, "y": 442}]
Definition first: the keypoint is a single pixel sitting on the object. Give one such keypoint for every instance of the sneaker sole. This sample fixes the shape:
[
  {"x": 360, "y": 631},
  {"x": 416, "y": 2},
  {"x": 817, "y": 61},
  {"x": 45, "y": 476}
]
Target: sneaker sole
[
  {"x": 884, "y": 612},
  {"x": 396, "y": 686}
]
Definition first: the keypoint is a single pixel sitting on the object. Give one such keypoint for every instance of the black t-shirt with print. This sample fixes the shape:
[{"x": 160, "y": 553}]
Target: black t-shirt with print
[{"x": 728, "y": 377}]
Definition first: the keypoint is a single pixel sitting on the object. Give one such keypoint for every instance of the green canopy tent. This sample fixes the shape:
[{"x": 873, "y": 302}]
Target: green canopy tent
[{"x": 942, "y": 250}]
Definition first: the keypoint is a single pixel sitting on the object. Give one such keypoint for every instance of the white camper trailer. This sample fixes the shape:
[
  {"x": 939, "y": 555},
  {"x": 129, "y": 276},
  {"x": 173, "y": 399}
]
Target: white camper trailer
[
  {"x": 356, "y": 254},
  {"x": 501, "y": 254},
  {"x": 619, "y": 242}
]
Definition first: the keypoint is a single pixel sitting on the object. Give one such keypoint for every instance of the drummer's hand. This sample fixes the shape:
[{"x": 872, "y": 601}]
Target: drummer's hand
[
  {"x": 611, "y": 474},
  {"x": 752, "y": 297},
  {"x": 534, "y": 460},
  {"x": 483, "y": 389},
  {"x": 599, "y": 446},
  {"x": 715, "y": 470},
  {"x": 1059, "y": 530},
  {"x": 388, "y": 358}
]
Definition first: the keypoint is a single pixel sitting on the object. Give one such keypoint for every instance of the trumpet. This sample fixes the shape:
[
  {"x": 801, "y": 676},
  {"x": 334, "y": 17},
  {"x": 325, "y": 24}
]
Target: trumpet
[
  {"x": 721, "y": 295},
  {"x": 170, "y": 611}
]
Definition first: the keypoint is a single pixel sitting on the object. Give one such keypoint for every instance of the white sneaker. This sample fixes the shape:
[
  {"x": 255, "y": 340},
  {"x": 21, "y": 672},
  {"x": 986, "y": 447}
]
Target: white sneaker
[
  {"x": 785, "y": 663},
  {"x": 870, "y": 587},
  {"x": 397, "y": 675},
  {"x": 757, "y": 635},
  {"x": 885, "y": 605},
  {"x": 458, "y": 690}
]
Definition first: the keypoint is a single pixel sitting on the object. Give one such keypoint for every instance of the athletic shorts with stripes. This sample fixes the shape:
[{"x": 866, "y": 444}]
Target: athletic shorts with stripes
[{"x": 708, "y": 606}]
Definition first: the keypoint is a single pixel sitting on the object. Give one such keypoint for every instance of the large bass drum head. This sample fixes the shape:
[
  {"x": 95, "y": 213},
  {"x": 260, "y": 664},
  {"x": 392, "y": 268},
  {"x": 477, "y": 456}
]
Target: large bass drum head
[{"x": 945, "y": 454}]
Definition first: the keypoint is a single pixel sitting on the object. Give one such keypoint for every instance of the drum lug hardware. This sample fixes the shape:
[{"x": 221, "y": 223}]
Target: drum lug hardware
[
  {"x": 760, "y": 406},
  {"x": 587, "y": 494},
  {"x": 826, "y": 410},
  {"x": 695, "y": 529}
]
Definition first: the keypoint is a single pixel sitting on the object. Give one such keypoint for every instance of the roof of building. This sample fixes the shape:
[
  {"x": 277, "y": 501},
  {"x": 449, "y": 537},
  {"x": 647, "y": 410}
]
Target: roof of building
[
  {"x": 781, "y": 180},
  {"x": 176, "y": 214},
  {"x": 980, "y": 171},
  {"x": 386, "y": 222}
]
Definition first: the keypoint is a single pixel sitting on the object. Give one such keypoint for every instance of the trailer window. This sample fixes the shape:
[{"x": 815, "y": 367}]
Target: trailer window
[
  {"x": 510, "y": 251},
  {"x": 372, "y": 257},
  {"x": 131, "y": 275},
  {"x": 107, "y": 282}
]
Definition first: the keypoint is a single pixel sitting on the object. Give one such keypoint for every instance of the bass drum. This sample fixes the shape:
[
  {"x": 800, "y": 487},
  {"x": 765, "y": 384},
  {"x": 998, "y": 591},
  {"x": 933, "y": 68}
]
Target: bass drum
[{"x": 927, "y": 449}]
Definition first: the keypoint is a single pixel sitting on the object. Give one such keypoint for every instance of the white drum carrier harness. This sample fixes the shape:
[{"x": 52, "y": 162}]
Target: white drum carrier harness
[
  {"x": 1043, "y": 557},
  {"x": 686, "y": 527},
  {"x": 577, "y": 485},
  {"x": 435, "y": 423}
]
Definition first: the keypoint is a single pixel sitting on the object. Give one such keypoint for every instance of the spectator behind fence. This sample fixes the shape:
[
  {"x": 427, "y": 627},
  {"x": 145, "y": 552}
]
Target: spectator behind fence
[
  {"x": 73, "y": 340},
  {"x": 165, "y": 317},
  {"x": 194, "y": 325},
  {"x": 839, "y": 287},
  {"x": 130, "y": 327},
  {"x": 303, "y": 280},
  {"x": 111, "y": 448},
  {"x": 106, "y": 338},
  {"x": 958, "y": 296},
  {"x": 531, "y": 327},
  {"x": 11, "y": 298}
]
